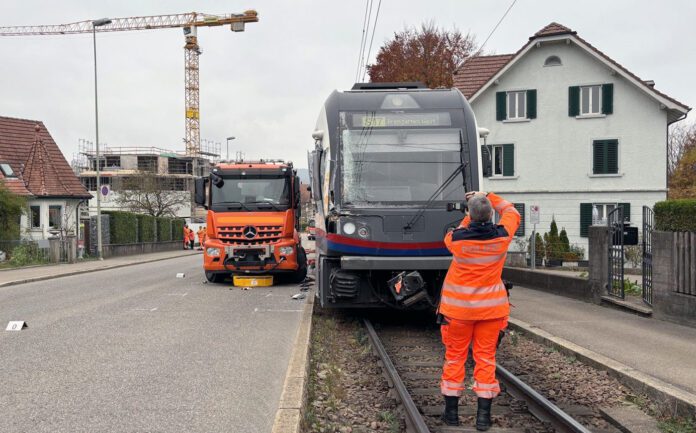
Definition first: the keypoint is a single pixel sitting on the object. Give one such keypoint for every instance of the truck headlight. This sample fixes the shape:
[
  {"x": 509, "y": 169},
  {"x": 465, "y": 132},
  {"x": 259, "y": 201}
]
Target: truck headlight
[
  {"x": 348, "y": 228},
  {"x": 286, "y": 251},
  {"x": 212, "y": 252}
]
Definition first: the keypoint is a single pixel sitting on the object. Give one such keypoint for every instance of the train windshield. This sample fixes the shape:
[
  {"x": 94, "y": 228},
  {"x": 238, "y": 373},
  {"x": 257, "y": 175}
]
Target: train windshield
[{"x": 387, "y": 164}]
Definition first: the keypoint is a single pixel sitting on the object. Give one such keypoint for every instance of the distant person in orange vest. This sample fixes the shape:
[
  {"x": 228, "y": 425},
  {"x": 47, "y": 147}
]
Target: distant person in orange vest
[
  {"x": 201, "y": 237},
  {"x": 186, "y": 235},
  {"x": 474, "y": 303},
  {"x": 191, "y": 237}
]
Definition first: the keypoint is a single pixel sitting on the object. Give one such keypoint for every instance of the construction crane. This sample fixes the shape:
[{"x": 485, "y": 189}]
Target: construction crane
[{"x": 188, "y": 21}]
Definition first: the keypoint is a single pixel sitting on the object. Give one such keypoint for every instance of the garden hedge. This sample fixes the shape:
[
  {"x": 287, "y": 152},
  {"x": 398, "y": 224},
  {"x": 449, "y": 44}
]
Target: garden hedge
[
  {"x": 178, "y": 230},
  {"x": 123, "y": 227},
  {"x": 164, "y": 229},
  {"x": 146, "y": 228},
  {"x": 676, "y": 215}
]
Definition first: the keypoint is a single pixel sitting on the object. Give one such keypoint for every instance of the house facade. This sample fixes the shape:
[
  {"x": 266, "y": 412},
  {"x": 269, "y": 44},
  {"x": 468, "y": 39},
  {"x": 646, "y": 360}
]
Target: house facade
[
  {"x": 571, "y": 131},
  {"x": 32, "y": 165}
]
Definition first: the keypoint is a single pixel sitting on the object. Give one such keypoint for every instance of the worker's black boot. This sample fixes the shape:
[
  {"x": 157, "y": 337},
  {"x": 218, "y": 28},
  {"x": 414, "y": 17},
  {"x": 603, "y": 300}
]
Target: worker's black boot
[
  {"x": 451, "y": 414},
  {"x": 483, "y": 414}
]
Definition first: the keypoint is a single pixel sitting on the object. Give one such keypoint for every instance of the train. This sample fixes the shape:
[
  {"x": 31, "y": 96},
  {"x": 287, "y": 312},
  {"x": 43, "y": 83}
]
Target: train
[{"x": 388, "y": 172}]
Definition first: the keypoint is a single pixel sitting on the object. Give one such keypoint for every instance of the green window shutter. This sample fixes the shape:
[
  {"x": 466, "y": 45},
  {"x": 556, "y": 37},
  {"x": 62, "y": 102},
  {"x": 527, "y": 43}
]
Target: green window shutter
[
  {"x": 626, "y": 211},
  {"x": 612, "y": 158},
  {"x": 585, "y": 219},
  {"x": 531, "y": 104},
  {"x": 508, "y": 159},
  {"x": 599, "y": 160},
  {"x": 607, "y": 98},
  {"x": 520, "y": 209},
  {"x": 501, "y": 105},
  {"x": 573, "y": 101}
]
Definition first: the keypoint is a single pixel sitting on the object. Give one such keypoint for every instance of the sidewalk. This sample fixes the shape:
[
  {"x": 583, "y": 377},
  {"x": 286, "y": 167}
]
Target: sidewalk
[
  {"x": 663, "y": 350},
  {"x": 10, "y": 277}
]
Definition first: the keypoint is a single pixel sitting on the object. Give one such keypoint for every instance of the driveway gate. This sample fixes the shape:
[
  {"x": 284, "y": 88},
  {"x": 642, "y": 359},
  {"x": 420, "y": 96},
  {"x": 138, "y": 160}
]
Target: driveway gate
[
  {"x": 615, "y": 223},
  {"x": 648, "y": 227}
]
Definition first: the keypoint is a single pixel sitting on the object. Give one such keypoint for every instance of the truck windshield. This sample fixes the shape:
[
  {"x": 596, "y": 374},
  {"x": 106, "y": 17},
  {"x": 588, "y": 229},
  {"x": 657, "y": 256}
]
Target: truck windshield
[
  {"x": 252, "y": 192},
  {"x": 399, "y": 165}
]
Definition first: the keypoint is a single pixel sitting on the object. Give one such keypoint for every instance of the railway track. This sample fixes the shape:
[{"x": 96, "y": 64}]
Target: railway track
[{"x": 412, "y": 360}]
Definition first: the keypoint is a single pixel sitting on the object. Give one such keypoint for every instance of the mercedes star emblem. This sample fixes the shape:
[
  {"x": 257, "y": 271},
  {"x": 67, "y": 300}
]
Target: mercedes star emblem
[{"x": 249, "y": 232}]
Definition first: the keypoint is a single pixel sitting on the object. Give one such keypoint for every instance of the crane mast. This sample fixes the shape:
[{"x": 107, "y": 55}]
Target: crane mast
[{"x": 188, "y": 21}]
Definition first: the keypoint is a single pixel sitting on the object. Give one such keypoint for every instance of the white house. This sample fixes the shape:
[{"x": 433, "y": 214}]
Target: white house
[
  {"x": 32, "y": 165},
  {"x": 570, "y": 130}
]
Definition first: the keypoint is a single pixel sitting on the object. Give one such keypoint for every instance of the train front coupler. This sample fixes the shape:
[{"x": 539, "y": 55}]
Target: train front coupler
[{"x": 408, "y": 288}]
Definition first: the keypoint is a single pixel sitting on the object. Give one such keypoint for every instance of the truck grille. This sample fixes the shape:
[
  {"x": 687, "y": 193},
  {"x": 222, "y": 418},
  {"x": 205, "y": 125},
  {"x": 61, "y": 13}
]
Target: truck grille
[{"x": 235, "y": 235}]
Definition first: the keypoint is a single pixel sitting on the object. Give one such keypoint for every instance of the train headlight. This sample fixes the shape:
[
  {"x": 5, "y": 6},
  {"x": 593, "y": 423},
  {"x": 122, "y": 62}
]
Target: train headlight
[
  {"x": 348, "y": 228},
  {"x": 212, "y": 252},
  {"x": 286, "y": 251},
  {"x": 364, "y": 232}
]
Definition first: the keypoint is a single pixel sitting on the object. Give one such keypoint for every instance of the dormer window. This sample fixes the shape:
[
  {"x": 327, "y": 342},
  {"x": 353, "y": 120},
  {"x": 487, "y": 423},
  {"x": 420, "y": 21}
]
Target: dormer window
[
  {"x": 7, "y": 170},
  {"x": 553, "y": 61}
]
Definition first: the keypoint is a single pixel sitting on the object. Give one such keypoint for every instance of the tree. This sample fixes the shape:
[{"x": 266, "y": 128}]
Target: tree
[
  {"x": 681, "y": 138},
  {"x": 12, "y": 206},
  {"x": 429, "y": 54},
  {"x": 682, "y": 184},
  {"x": 151, "y": 194}
]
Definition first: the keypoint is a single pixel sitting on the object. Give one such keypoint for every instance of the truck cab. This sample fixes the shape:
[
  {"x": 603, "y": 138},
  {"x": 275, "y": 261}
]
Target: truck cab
[{"x": 253, "y": 214}]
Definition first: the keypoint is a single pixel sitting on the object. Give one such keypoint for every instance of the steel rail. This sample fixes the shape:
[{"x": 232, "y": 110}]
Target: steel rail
[
  {"x": 538, "y": 405},
  {"x": 414, "y": 419}
]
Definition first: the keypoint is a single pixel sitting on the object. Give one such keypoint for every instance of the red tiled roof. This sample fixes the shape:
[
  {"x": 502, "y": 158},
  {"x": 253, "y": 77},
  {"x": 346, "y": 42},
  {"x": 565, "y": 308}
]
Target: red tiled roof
[
  {"x": 553, "y": 29},
  {"x": 477, "y": 71},
  {"x": 36, "y": 158},
  {"x": 15, "y": 186}
]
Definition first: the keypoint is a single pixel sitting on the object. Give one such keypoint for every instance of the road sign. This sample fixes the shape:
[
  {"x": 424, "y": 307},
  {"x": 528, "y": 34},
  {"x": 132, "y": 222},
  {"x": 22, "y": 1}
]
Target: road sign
[
  {"x": 16, "y": 325},
  {"x": 535, "y": 214},
  {"x": 105, "y": 190}
]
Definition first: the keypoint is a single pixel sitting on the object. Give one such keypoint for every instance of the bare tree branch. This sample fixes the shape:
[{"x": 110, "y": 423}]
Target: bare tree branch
[{"x": 151, "y": 194}]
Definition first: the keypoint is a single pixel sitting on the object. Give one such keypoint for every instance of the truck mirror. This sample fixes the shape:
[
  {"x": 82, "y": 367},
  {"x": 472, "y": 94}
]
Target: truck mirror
[
  {"x": 217, "y": 180},
  {"x": 199, "y": 194}
]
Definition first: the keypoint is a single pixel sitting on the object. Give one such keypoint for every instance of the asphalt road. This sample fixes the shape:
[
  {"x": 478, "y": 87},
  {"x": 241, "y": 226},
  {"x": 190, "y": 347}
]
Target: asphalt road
[{"x": 137, "y": 350}]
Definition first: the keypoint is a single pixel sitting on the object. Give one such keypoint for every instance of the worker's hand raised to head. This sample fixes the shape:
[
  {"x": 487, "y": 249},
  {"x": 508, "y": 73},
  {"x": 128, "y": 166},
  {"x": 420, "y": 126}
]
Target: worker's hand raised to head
[{"x": 470, "y": 194}]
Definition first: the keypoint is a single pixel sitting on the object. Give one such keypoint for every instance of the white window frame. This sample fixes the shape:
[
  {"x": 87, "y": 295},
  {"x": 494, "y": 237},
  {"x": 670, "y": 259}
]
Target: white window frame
[
  {"x": 516, "y": 96},
  {"x": 31, "y": 221},
  {"x": 602, "y": 212},
  {"x": 583, "y": 90}
]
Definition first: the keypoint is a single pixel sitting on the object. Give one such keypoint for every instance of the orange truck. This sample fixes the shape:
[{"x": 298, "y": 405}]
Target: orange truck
[{"x": 253, "y": 221}]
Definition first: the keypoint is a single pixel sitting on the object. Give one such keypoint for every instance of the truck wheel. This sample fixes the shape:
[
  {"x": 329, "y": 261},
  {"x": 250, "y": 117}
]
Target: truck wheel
[
  {"x": 214, "y": 278},
  {"x": 301, "y": 273}
]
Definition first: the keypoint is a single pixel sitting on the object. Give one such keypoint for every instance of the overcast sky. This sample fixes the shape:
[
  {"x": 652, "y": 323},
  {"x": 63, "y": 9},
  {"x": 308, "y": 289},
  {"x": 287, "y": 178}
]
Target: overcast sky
[{"x": 265, "y": 86}]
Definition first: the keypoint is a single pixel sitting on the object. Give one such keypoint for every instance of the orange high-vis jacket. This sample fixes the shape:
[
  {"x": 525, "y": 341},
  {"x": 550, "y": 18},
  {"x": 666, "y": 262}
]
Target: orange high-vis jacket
[
  {"x": 201, "y": 236},
  {"x": 473, "y": 288}
]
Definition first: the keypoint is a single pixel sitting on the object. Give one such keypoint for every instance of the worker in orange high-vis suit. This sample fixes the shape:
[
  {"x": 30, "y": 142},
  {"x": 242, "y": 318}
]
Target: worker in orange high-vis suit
[
  {"x": 201, "y": 237},
  {"x": 474, "y": 302},
  {"x": 186, "y": 235},
  {"x": 191, "y": 237}
]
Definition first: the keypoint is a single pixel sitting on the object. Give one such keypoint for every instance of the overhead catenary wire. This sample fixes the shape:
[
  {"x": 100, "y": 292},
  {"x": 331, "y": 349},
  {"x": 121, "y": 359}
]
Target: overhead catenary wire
[
  {"x": 369, "y": 51},
  {"x": 361, "y": 61},
  {"x": 362, "y": 42},
  {"x": 491, "y": 33}
]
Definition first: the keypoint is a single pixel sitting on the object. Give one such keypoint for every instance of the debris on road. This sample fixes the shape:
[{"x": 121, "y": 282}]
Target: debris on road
[
  {"x": 180, "y": 275},
  {"x": 299, "y": 296},
  {"x": 16, "y": 325}
]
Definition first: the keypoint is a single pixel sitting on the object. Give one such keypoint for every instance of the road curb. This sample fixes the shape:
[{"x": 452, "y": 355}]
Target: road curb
[
  {"x": 293, "y": 399},
  {"x": 674, "y": 400},
  {"x": 86, "y": 271}
]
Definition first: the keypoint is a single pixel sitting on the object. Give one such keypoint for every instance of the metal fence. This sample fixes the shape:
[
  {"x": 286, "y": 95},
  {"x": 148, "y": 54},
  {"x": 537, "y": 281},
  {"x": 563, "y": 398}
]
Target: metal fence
[{"x": 615, "y": 256}]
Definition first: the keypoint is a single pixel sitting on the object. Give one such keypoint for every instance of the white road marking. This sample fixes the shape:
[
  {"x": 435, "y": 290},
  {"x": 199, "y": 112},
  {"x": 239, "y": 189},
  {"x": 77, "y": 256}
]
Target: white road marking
[
  {"x": 177, "y": 294},
  {"x": 257, "y": 310},
  {"x": 145, "y": 309}
]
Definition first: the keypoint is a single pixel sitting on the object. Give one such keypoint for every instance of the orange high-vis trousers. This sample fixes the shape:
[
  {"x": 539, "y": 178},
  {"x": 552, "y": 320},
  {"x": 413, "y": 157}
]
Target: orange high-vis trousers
[{"x": 457, "y": 335}]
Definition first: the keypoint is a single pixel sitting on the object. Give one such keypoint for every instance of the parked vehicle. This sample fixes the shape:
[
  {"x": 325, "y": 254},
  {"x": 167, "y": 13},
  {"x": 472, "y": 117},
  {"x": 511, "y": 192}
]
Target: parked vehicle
[
  {"x": 391, "y": 161},
  {"x": 252, "y": 221},
  {"x": 311, "y": 230}
]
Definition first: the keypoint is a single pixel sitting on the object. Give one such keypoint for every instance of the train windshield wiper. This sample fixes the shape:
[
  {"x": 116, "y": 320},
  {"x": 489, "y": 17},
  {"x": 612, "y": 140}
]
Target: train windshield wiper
[{"x": 460, "y": 169}]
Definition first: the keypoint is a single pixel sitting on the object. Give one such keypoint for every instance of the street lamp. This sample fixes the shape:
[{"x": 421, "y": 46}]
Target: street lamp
[
  {"x": 228, "y": 147},
  {"x": 95, "y": 24}
]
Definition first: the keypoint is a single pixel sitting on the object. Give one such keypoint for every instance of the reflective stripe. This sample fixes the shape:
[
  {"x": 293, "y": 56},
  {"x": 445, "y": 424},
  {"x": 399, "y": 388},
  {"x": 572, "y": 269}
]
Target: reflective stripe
[
  {"x": 469, "y": 290},
  {"x": 455, "y": 385},
  {"x": 474, "y": 304},
  {"x": 486, "y": 385},
  {"x": 451, "y": 392},
  {"x": 487, "y": 394},
  {"x": 481, "y": 260},
  {"x": 503, "y": 204}
]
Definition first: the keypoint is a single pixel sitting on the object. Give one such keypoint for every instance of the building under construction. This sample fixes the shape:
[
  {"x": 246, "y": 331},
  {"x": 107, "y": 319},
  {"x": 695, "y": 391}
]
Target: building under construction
[{"x": 120, "y": 167}]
